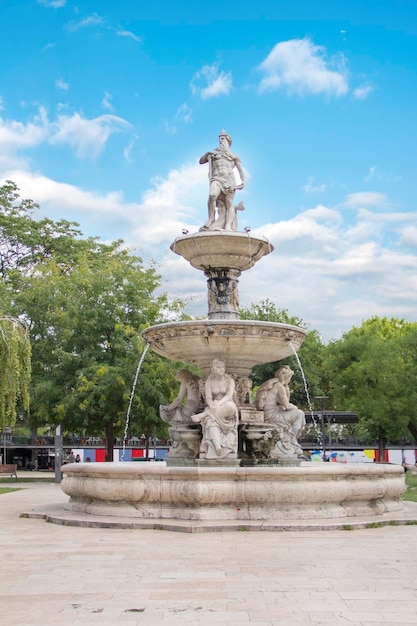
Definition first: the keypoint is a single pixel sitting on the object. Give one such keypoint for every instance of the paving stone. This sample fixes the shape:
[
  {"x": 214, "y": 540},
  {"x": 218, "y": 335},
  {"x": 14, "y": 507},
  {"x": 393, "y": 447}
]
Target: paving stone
[{"x": 81, "y": 576}]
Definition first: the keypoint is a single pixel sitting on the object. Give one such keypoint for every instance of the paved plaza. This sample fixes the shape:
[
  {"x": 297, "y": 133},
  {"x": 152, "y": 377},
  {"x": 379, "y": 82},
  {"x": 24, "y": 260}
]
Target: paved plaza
[{"x": 57, "y": 575}]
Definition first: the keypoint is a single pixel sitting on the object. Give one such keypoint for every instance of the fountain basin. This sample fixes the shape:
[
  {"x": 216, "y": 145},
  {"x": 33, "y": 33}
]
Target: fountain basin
[
  {"x": 221, "y": 249},
  {"x": 309, "y": 491},
  {"x": 241, "y": 344}
]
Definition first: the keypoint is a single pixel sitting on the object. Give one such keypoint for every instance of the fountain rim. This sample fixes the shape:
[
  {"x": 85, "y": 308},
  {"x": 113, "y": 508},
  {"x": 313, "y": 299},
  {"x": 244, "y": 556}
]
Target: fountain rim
[
  {"x": 306, "y": 468},
  {"x": 233, "y": 250},
  {"x": 226, "y": 322},
  {"x": 225, "y": 233},
  {"x": 198, "y": 342}
]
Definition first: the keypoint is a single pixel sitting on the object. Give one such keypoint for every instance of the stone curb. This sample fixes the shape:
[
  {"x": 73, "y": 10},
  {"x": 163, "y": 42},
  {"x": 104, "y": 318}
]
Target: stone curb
[{"x": 58, "y": 515}]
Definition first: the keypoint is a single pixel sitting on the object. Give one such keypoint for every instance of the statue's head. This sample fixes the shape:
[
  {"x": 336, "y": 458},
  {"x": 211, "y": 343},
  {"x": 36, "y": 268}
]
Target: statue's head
[
  {"x": 284, "y": 373},
  {"x": 218, "y": 366},
  {"x": 226, "y": 136},
  {"x": 186, "y": 376}
]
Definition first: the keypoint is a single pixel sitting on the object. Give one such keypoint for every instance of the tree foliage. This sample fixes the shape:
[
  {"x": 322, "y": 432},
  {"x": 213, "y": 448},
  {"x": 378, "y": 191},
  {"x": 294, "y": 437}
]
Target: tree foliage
[
  {"x": 310, "y": 355},
  {"x": 25, "y": 241},
  {"x": 86, "y": 304},
  {"x": 372, "y": 372},
  {"x": 15, "y": 369}
]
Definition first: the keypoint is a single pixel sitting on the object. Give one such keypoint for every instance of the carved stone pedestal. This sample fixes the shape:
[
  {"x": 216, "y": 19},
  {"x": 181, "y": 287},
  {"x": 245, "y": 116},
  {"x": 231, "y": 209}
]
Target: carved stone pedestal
[{"x": 186, "y": 438}]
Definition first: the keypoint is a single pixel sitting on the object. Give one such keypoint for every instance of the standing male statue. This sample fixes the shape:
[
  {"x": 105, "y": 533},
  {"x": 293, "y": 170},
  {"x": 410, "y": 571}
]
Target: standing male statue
[{"x": 223, "y": 185}]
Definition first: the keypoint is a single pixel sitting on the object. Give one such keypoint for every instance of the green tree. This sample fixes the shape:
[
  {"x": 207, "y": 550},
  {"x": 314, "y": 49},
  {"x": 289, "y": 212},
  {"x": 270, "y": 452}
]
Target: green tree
[
  {"x": 15, "y": 369},
  {"x": 25, "y": 241},
  {"x": 310, "y": 355},
  {"x": 86, "y": 304},
  {"x": 86, "y": 326},
  {"x": 370, "y": 370},
  {"x": 407, "y": 342}
]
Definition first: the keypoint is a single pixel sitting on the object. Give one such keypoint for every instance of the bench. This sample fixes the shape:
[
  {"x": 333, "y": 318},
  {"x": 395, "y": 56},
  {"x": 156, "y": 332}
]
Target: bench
[{"x": 10, "y": 469}]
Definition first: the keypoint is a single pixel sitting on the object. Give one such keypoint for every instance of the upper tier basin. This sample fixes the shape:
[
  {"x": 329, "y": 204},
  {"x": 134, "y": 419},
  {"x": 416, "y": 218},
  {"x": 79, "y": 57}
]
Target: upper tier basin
[
  {"x": 221, "y": 249},
  {"x": 241, "y": 344}
]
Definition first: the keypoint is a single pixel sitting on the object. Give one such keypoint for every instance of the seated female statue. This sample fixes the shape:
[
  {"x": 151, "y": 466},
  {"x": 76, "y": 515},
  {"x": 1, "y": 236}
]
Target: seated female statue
[{"x": 219, "y": 418}]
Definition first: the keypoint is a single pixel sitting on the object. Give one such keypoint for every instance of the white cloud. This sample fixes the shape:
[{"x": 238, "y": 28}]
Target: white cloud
[
  {"x": 91, "y": 20},
  {"x": 184, "y": 114},
  {"x": 61, "y": 84},
  {"x": 129, "y": 34},
  {"x": 129, "y": 148},
  {"x": 365, "y": 199},
  {"x": 106, "y": 102},
  {"x": 164, "y": 210},
  {"x": 18, "y": 135},
  {"x": 50, "y": 194},
  {"x": 169, "y": 204},
  {"x": 210, "y": 83},
  {"x": 314, "y": 230},
  {"x": 310, "y": 187},
  {"x": 362, "y": 92},
  {"x": 357, "y": 260},
  {"x": 386, "y": 217},
  {"x": 333, "y": 273},
  {"x": 88, "y": 137},
  {"x": 170, "y": 127},
  {"x": 55, "y": 4},
  {"x": 301, "y": 67},
  {"x": 375, "y": 175},
  {"x": 409, "y": 236},
  {"x": 371, "y": 174}
]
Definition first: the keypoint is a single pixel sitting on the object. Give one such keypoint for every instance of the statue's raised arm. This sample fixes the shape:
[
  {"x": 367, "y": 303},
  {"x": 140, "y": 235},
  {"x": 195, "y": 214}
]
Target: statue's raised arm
[{"x": 222, "y": 185}]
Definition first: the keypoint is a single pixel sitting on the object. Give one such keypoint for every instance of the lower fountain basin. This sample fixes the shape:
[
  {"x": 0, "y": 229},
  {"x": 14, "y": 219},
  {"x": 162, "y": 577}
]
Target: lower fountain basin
[
  {"x": 241, "y": 344},
  {"x": 309, "y": 491}
]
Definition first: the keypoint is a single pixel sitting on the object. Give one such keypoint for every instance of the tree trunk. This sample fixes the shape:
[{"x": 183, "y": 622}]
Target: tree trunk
[
  {"x": 110, "y": 439},
  {"x": 413, "y": 430},
  {"x": 147, "y": 447},
  {"x": 382, "y": 446}
]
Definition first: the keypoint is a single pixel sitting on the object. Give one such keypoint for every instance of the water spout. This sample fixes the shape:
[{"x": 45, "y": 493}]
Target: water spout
[
  {"x": 132, "y": 394},
  {"x": 251, "y": 262}
]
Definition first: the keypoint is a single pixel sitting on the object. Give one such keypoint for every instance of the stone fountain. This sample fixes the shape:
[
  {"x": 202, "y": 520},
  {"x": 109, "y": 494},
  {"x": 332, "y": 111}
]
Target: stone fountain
[{"x": 231, "y": 459}]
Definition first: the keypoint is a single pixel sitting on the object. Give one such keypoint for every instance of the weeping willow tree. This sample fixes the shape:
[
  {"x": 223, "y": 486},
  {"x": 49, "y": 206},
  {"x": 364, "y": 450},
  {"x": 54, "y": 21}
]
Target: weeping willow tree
[{"x": 15, "y": 369}]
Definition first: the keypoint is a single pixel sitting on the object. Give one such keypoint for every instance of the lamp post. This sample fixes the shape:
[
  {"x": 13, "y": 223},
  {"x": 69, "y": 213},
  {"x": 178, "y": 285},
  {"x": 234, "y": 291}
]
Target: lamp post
[
  {"x": 58, "y": 454},
  {"x": 322, "y": 400},
  {"x": 154, "y": 444},
  {"x": 6, "y": 431}
]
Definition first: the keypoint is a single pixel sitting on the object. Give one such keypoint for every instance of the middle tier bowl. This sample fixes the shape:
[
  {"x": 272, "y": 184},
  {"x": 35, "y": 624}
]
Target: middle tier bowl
[{"x": 241, "y": 344}]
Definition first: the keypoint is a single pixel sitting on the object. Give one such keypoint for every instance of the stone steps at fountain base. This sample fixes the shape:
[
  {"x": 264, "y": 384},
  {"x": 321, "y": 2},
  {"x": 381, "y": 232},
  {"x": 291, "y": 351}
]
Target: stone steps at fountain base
[{"x": 56, "y": 514}]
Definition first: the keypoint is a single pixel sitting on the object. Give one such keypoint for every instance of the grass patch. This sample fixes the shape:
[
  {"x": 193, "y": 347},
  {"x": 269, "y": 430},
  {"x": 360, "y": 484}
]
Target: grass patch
[
  {"x": 374, "y": 525},
  {"x": 411, "y": 492},
  {"x": 26, "y": 480},
  {"x": 8, "y": 489}
]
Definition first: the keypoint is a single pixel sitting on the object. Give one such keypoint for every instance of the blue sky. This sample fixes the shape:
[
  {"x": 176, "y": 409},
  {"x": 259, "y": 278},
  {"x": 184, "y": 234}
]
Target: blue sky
[{"x": 106, "y": 108}]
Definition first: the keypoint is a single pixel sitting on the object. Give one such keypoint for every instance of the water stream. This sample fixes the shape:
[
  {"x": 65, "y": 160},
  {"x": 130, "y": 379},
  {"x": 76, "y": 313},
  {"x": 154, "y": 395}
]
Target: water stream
[
  {"x": 132, "y": 394},
  {"x": 250, "y": 248},
  {"x": 310, "y": 406}
]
